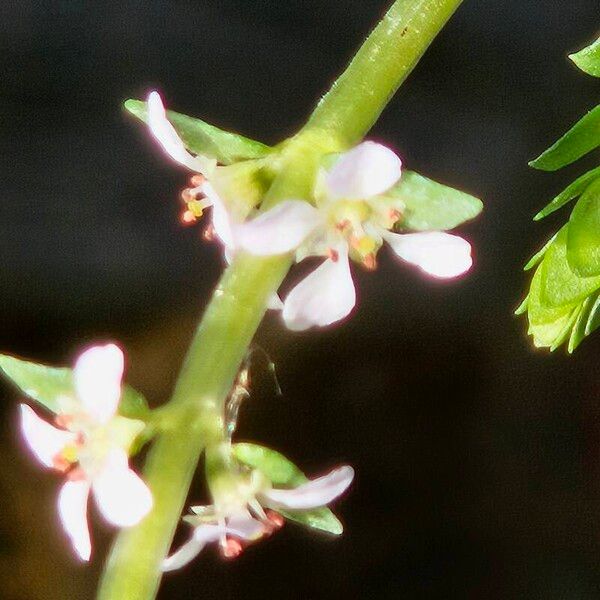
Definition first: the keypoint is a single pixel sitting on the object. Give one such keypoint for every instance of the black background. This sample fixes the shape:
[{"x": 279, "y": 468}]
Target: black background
[{"x": 477, "y": 457}]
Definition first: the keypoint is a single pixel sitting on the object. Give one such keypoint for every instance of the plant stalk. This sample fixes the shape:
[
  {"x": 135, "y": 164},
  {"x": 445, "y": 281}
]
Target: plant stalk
[{"x": 238, "y": 304}]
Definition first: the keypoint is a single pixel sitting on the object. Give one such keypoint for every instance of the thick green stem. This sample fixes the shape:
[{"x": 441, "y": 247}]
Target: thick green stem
[
  {"x": 383, "y": 62},
  {"x": 343, "y": 116}
]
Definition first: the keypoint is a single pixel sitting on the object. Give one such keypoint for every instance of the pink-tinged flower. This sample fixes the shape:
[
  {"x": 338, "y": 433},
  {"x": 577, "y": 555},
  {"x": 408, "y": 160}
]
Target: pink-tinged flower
[
  {"x": 252, "y": 514},
  {"x": 351, "y": 220},
  {"x": 91, "y": 445}
]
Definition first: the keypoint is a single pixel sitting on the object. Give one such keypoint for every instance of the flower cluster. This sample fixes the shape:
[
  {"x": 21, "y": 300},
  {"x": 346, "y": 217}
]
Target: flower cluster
[
  {"x": 245, "y": 511},
  {"x": 350, "y": 219},
  {"x": 91, "y": 444}
]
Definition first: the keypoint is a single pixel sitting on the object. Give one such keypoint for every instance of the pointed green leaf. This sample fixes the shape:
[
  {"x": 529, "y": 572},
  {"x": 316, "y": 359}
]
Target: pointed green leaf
[
  {"x": 283, "y": 473},
  {"x": 593, "y": 321},
  {"x": 582, "y": 138},
  {"x": 537, "y": 257},
  {"x": 588, "y": 59},
  {"x": 578, "y": 333},
  {"x": 560, "y": 285},
  {"x": 208, "y": 140},
  {"x": 429, "y": 205},
  {"x": 571, "y": 192},
  {"x": 522, "y": 308},
  {"x": 583, "y": 240},
  {"x": 46, "y": 385}
]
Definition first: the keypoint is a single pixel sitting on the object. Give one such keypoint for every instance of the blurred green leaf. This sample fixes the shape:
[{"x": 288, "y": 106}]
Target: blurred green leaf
[
  {"x": 208, "y": 140},
  {"x": 430, "y": 205},
  {"x": 583, "y": 240},
  {"x": 46, "y": 385},
  {"x": 284, "y": 473},
  {"x": 588, "y": 59},
  {"x": 582, "y": 138},
  {"x": 571, "y": 192},
  {"x": 560, "y": 285}
]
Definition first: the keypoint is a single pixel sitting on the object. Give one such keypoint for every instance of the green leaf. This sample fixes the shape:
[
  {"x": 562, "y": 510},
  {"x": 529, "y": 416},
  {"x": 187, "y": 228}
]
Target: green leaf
[
  {"x": 588, "y": 59},
  {"x": 560, "y": 285},
  {"x": 593, "y": 321},
  {"x": 583, "y": 241},
  {"x": 283, "y": 473},
  {"x": 46, "y": 385},
  {"x": 537, "y": 257},
  {"x": 429, "y": 205},
  {"x": 578, "y": 333},
  {"x": 582, "y": 138},
  {"x": 571, "y": 192},
  {"x": 208, "y": 140}
]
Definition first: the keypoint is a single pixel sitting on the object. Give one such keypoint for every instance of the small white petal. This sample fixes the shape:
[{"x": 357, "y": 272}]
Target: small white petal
[
  {"x": 45, "y": 440},
  {"x": 435, "y": 252},
  {"x": 98, "y": 372},
  {"x": 166, "y": 135},
  {"x": 122, "y": 497},
  {"x": 72, "y": 510},
  {"x": 317, "y": 492},
  {"x": 323, "y": 297},
  {"x": 279, "y": 230},
  {"x": 243, "y": 527},
  {"x": 366, "y": 170}
]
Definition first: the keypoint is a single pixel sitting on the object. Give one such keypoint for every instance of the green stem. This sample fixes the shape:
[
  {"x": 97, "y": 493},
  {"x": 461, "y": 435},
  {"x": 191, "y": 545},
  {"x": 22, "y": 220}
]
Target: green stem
[
  {"x": 237, "y": 306},
  {"x": 384, "y": 61}
]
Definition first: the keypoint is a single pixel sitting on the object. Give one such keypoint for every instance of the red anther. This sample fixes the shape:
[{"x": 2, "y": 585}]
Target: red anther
[
  {"x": 209, "y": 233},
  {"x": 197, "y": 180},
  {"x": 188, "y": 217},
  {"x": 76, "y": 475},
  {"x": 231, "y": 549},
  {"x": 333, "y": 254},
  {"x": 370, "y": 262},
  {"x": 61, "y": 464},
  {"x": 394, "y": 215},
  {"x": 275, "y": 519},
  {"x": 187, "y": 196},
  {"x": 79, "y": 438},
  {"x": 63, "y": 420},
  {"x": 341, "y": 225}
]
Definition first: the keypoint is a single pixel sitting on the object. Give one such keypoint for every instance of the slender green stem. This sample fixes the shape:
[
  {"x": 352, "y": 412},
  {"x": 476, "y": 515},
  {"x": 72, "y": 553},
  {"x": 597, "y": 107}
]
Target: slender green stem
[
  {"x": 343, "y": 116},
  {"x": 384, "y": 61}
]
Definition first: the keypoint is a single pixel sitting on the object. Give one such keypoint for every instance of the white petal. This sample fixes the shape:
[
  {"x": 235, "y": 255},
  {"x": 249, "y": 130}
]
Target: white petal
[
  {"x": 242, "y": 527},
  {"x": 166, "y": 135},
  {"x": 98, "y": 372},
  {"x": 122, "y": 497},
  {"x": 316, "y": 492},
  {"x": 323, "y": 297},
  {"x": 220, "y": 217},
  {"x": 279, "y": 230},
  {"x": 72, "y": 509},
  {"x": 366, "y": 170},
  {"x": 435, "y": 252},
  {"x": 45, "y": 440}
]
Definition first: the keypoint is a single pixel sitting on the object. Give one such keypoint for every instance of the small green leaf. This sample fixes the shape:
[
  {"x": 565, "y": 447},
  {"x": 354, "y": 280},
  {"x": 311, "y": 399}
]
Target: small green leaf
[
  {"x": 429, "y": 205},
  {"x": 46, "y": 385},
  {"x": 583, "y": 241},
  {"x": 560, "y": 285},
  {"x": 537, "y": 257},
  {"x": 283, "y": 473},
  {"x": 593, "y": 321},
  {"x": 208, "y": 140},
  {"x": 571, "y": 192},
  {"x": 522, "y": 308},
  {"x": 578, "y": 333},
  {"x": 582, "y": 138},
  {"x": 588, "y": 59}
]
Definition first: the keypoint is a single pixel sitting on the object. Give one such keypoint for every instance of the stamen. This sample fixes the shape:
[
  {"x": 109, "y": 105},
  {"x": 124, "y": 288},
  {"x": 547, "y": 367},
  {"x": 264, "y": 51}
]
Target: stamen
[
  {"x": 188, "y": 217},
  {"x": 197, "y": 180},
  {"x": 76, "y": 475},
  {"x": 63, "y": 420},
  {"x": 370, "y": 262},
  {"x": 209, "y": 233},
  {"x": 231, "y": 548},
  {"x": 342, "y": 225},
  {"x": 60, "y": 463},
  {"x": 275, "y": 519},
  {"x": 394, "y": 215},
  {"x": 333, "y": 254}
]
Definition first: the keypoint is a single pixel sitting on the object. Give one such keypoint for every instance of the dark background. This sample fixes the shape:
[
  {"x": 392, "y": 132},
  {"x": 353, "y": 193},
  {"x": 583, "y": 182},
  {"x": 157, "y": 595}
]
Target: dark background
[{"x": 477, "y": 457}]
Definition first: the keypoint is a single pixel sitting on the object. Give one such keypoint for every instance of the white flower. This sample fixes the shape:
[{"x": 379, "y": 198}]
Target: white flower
[
  {"x": 95, "y": 437},
  {"x": 351, "y": 220},
  {"x": 246, "y": 518}
]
